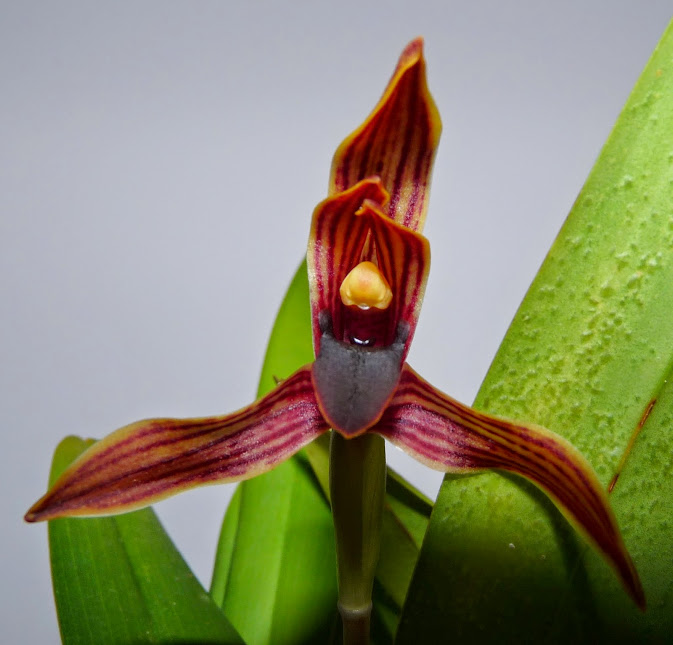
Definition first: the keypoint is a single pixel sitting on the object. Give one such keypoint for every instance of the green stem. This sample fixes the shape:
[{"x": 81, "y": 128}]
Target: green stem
[{"x": 357, "y": 489}]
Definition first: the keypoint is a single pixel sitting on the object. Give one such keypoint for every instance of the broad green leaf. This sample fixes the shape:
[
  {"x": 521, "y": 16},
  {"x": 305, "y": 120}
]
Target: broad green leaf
[
  {"x": 281, "y": 578},
  {"x": 266, "y": 598},
  {"x": 588, "y": 354},
  {"x": 120, "y": 580},
  {"x": 405, "y": 520},
  {"x": 290, "y": 345}
]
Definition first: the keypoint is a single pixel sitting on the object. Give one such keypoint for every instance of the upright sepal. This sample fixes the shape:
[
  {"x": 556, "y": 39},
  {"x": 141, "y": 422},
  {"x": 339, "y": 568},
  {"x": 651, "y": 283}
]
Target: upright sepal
[
  {"x": 453, "y": 438},
  {"x": 149, "y": 460},
  {"x": 397, "y": 142}
]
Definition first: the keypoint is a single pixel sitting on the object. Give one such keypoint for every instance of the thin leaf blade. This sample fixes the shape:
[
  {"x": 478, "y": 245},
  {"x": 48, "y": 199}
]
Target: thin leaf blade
[
  {"x": 120, "y": 580},
  {"x": 282, "y": 580}
]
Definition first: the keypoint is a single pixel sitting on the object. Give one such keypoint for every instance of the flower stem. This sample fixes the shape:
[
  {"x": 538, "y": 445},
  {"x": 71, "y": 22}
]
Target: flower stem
[{"x": 357, "y": 489}]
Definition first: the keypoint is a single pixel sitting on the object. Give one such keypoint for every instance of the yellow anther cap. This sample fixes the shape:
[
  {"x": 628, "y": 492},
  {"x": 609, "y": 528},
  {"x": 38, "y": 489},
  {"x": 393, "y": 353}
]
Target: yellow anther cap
[{"x": 366, "y": 287}]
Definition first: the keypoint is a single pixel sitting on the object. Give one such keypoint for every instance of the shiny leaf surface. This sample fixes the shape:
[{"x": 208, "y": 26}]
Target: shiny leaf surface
[{"x": 120, "y": 580}]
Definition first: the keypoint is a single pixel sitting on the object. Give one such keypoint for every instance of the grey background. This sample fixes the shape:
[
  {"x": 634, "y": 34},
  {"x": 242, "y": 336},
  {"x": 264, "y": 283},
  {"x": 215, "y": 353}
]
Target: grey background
[{"x": 159, "y": 163}]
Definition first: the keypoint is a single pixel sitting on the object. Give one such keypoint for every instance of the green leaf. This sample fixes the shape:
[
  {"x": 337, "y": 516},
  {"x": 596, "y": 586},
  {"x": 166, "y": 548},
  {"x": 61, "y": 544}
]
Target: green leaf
[
  {"x": 589, "y": 351},
  {"x": 405, "y": 519},
  {"x": 225, "y": 548},
  {"x": 290, "y": 344},
  {"x": 120, "y": 580},
  {"x": 281, "y": 576}
]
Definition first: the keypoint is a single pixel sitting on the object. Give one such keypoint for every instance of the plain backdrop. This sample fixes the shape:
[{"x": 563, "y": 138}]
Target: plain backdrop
[{"x": 159, "y": 162}]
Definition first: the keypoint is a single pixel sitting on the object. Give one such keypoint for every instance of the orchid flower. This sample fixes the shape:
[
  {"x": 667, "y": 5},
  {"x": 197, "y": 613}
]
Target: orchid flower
[{"x": 368, "y": 264}]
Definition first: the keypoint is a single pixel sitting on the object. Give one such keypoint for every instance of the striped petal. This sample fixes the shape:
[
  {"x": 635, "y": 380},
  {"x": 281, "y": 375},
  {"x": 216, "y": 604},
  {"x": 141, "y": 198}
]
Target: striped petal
[
  {"x": 397, "y": 142},
  {"x": 360, "y": 352},
  {"x": 350, "y": 228},
  {"x": 150, "y": 460},
  {"x": 335, "y": 246},
  {"x": 450, "y": 437},
  {"x": 403, "y": 257}
]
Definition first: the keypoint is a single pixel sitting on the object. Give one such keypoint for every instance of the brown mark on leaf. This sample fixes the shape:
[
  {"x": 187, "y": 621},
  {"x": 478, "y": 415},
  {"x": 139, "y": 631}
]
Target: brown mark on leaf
[{"x": 631, "y": 443}]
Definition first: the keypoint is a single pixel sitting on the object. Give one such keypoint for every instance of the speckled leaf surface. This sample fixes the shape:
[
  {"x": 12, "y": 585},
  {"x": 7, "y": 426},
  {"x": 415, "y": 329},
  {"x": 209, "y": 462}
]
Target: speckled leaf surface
[{"x": 590, "y": 356}]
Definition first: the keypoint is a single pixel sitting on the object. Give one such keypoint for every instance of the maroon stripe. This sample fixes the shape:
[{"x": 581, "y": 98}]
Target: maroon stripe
[
  {"x": 340, "y": 237},
  {"x": 263, "y": 449},
  {"x": 365, "y": 153},
  {"x": 403, "y": 158},
  {"x": 421, "y": 174},
  {"x": 233, "y": 437},
  {"x": 413, "y": 435},
  {"x": 547, "y": 444},
  {"x": 430, "y": 394},
  {"x": 177, "y": 479},
  {"x": 343, "y": 170},
  {"x": 483, "y": 459},
  {"x": 139, "y": 442},
  {"x": 184, "y": 456},
  {"x": 181, "y": 478},
  {"x": 297, "y": 385},
  {"x": 511, "y": 463},
  {"x": 536, "y": 471}
]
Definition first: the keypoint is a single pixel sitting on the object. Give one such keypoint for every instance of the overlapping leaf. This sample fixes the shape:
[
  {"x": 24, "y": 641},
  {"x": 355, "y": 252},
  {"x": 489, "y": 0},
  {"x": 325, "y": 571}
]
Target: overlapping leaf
[
  {"x": 119, "y": 580},
  {"x": 589, "y": 355}
]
